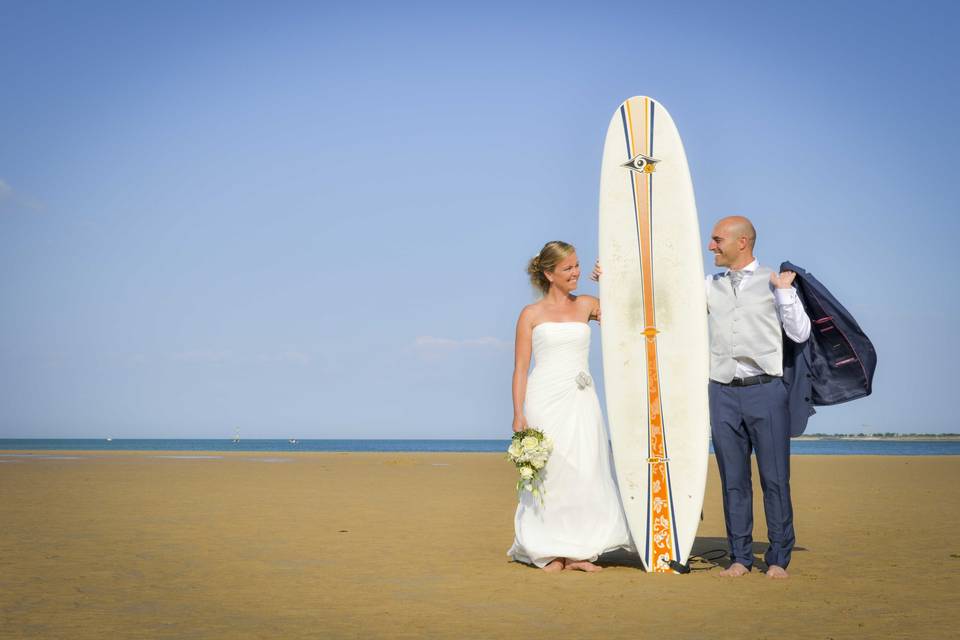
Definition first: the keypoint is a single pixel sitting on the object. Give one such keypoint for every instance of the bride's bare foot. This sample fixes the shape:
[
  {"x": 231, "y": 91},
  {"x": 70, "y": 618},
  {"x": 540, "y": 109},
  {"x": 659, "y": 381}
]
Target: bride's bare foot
[
  {"x": 735, "y": 571},
  {"x": 776, "y": 571},
  {"x": 582, "y": 565},
  {"x": 554, "y": 566}
]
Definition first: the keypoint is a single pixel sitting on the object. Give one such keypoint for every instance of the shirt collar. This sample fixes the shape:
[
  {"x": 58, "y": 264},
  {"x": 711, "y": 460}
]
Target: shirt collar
[{"x": 749, "y": 269}]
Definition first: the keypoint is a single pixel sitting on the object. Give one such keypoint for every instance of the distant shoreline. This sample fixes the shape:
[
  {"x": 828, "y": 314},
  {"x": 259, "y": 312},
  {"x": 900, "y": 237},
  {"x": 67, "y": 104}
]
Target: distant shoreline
[
  {"x": 811, "y": 444},
  {"x": 811, "y": 436},
  {"x": 916, "y": 438}
]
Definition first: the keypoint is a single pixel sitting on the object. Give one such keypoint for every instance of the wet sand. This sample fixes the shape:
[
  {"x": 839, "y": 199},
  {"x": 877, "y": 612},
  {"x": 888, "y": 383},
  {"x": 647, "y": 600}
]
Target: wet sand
[{"x": 385, "y": 545}]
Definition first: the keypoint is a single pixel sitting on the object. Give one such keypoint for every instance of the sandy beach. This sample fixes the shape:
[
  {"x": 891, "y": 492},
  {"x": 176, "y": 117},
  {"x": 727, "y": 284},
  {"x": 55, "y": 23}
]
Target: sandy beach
[{"x": 385, "y": 545}]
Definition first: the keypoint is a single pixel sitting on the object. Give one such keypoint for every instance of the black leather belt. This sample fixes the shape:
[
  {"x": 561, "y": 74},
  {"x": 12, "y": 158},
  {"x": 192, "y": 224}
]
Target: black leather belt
[{"x": 746, "y": 382}]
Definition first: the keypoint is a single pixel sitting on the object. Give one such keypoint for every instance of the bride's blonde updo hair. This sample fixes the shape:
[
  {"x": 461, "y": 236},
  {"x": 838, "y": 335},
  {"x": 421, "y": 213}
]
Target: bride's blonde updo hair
[{"x": 547, "y": 260}]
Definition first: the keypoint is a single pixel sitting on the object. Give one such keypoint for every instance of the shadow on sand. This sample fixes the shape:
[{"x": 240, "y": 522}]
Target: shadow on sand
[{"x": 706, "y": 554}]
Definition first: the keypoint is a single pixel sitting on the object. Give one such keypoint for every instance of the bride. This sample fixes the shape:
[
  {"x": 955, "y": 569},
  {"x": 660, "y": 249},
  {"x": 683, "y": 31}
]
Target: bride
[{"x": 580, "y": 517}]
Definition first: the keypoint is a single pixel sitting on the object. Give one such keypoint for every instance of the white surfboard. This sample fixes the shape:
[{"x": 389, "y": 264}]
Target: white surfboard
[{"x": 654, "y": 331}]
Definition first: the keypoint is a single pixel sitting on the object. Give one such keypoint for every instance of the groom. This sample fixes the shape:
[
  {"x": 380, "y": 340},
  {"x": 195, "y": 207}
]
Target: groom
[
  {"x": 747, "y": 306},
  {"x": 749, "y": 309}
]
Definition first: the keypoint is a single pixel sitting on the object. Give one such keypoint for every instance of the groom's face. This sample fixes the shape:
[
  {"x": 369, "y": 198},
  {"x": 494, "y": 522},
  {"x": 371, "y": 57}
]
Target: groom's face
[{"x": 725, "y": 245}]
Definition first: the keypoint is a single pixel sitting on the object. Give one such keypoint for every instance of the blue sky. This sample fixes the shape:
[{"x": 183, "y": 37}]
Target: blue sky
[{"x": 311, "y": 220}]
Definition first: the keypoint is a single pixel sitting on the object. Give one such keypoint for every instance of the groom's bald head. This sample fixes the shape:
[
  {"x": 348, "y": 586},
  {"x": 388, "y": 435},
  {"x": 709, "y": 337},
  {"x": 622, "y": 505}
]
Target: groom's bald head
[
  {"x": 732, "y": 241},
  {"x": 740, "y": 227}
]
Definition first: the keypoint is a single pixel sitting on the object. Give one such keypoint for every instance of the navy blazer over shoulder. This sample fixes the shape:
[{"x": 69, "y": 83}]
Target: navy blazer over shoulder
[{"x": 836, "y": 363}]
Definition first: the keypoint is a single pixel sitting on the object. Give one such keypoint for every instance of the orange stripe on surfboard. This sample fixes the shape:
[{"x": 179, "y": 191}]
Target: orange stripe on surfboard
[{"x": 660, "y": 513}]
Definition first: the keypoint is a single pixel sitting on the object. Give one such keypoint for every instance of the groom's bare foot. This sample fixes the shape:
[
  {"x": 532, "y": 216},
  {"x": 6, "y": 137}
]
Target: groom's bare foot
[
  {"x": 777, "y": 572},
  {"x": 736, "y": 570},
  {"x": 582, "y": 565},
  {"x": 554, "y": 566}
]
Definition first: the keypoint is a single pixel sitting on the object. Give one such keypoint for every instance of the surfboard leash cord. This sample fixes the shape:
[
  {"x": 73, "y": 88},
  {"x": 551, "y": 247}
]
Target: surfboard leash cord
[{"x": 714, "y": 555}]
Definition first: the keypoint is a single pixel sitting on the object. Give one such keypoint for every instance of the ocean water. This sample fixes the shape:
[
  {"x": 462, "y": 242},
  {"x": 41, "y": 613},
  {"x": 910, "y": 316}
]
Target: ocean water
[{"x": 838, "y": 447}]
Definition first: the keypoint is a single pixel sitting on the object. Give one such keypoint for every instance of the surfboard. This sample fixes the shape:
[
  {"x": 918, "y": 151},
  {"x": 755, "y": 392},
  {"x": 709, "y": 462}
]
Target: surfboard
[{"x": 654, "y": 331}]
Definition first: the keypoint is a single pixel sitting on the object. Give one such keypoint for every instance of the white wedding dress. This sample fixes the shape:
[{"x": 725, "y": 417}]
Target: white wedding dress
[{"x": 581, "y": 516}]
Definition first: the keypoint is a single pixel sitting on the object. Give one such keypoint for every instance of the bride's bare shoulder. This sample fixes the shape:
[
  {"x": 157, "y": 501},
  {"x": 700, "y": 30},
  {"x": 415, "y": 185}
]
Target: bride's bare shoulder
[{"x": 530, "y": 313}]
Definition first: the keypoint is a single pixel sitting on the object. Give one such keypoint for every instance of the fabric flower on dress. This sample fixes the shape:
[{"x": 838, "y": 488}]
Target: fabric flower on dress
[{"x": 584, "y": 380}]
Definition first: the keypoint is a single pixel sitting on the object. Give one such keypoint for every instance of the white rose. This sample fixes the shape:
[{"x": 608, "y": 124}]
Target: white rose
[
  {"x": 526, "y": 472},
  {"x": 515, "y": 449},
  {"x": 530, "y": 443},
  {"x": 538, "y": 463}
]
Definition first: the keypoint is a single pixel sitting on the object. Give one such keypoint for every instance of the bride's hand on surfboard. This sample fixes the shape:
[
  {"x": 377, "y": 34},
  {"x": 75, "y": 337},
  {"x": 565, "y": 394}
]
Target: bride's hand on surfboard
[
  {"x": 783, "y": 280},
  {"x": 519, "y": 423},
  {"x": 595, "y": 276}
]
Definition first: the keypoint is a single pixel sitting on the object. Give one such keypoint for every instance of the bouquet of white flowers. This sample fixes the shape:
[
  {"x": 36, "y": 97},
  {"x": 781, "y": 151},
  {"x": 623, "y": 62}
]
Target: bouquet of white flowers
[{"x": 529, "y": 450}]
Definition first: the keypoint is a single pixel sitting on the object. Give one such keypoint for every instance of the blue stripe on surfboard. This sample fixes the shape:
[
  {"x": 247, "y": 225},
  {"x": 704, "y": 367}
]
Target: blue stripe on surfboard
[
  {"x": 633, "y": 187},
  {"x": 626, "y": 131},
  {"x": 636, "y": 214},
  {"x": 673, "y": 516},
  {"x": 646, "y": 547}
]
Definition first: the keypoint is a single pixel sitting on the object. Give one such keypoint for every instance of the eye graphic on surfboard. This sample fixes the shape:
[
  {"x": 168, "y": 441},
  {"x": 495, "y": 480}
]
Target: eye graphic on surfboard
[{"x": 641, "y": 163}]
